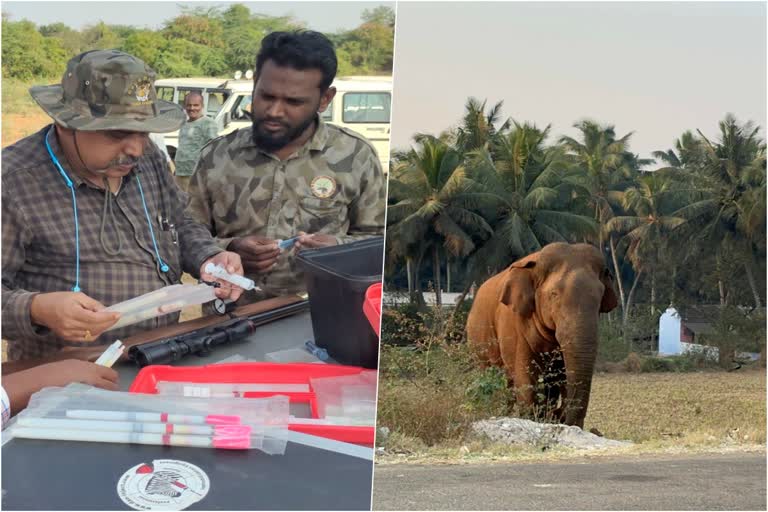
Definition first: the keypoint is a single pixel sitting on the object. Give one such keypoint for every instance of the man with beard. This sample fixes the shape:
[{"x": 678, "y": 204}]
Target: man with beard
[
  {"x": 289, "y": 174},
  {"x": 90, "y": 218}
]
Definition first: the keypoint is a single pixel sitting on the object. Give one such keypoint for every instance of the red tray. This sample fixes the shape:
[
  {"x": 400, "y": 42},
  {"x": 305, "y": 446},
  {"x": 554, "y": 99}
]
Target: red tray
[
  {"x": 372, "y": 306},
  {"x": 262, "y": 373}
]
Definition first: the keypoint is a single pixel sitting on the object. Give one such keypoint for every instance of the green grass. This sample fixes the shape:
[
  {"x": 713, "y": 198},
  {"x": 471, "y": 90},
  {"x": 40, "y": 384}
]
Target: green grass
[
  {"x": 16, "y": 98},
  {"x": 429, "y": 397}
]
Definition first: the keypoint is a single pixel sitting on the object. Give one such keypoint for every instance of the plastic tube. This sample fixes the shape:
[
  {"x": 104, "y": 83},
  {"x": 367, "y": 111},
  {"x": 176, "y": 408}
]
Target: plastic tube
[
  {"x": 215, "y": 390},
  {"x": 219, "y": 272},
  {"x": 163, "y": 417},
  {"x": 225, "y": 442},
  {"x": 127, "y": 426},
  {"x": 108, "y": 358}
]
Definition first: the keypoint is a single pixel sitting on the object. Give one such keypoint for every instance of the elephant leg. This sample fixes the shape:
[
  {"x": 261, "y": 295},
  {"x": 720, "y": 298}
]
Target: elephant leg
[
  {"x": 526, "y": 376},
  {"x": 507, "y": 357}
]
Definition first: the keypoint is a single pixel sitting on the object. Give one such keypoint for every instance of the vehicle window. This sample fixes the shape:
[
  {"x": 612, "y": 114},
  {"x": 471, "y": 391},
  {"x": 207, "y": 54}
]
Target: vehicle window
[
  {"x": 165, "y": 93},
  {"x": 328, "y": 114},
  {"x": 366, "y": 107},
  {"x": 216, "y": 99},
  {"x": 242, "y": 109}
]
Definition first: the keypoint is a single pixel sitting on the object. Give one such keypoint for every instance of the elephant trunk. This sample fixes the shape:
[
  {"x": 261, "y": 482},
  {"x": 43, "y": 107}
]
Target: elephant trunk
[{"x": 579, "y": 354}]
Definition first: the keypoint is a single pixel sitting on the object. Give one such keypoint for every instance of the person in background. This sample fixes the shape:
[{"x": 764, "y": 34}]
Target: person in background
[
  {"x": 18, "y": 387},
  {"x": 194, "y": 134},
  {"x": 289, "y": 174}
]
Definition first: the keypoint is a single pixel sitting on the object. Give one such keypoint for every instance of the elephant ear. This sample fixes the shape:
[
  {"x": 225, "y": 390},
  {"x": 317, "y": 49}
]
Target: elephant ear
[
  {"x": 517, "y": 291},
  {"x": 609, "y": 301},
  {"x": 527, "y": 262}
]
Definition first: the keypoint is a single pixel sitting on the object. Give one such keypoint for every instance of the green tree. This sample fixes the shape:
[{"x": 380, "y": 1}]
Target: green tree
[
  {"x": 71, "y": 40},
  {"x": 526, "y": 199},
  {"x": 202, "y": 29},
  {"x": 147, "y": 45},
  {"x": 99, "y": 37},
  {"x": 27, "y": 54},
  {"x": 603, "y": 169},
  {"x": 651, "y": 203},
  {"x": 432, "y": 205},
  {"x": 478, "y": 127},
  {"x": 369, "y": 48},
  {"x": 729, "y": 211},
  {"x": 381, "y": 15}
]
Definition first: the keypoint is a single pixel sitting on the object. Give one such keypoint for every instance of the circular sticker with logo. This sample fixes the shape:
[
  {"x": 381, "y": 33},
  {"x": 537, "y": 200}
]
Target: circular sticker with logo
[
  {"x": 323, "y": 187},
  {"x": 163, "y": 484}
]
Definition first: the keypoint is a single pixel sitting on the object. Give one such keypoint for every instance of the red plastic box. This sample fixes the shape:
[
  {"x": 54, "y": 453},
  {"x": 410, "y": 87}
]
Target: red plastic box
[
  {"x": 372, "y": 306},
  {"x": 262, "y": 373}
]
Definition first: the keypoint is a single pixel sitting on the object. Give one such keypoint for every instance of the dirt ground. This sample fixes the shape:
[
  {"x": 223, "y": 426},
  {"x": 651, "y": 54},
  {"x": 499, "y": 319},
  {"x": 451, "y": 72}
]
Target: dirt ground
[{"x": 18, "y": 126}]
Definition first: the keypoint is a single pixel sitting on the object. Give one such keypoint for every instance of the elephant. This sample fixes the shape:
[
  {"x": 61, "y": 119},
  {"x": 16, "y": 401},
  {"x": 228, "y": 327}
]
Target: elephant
[{"x": 538, "y": 319}]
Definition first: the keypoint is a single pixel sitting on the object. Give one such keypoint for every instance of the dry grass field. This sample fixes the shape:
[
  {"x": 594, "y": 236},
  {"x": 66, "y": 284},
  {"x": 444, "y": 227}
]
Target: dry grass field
[
  {"x": 20, "y": 114},
  {"x": 429, "y": 413}
]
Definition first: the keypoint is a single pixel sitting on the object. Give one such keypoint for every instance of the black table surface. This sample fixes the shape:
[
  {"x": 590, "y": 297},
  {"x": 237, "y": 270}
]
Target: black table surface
[{"x": 63, "y": 475}]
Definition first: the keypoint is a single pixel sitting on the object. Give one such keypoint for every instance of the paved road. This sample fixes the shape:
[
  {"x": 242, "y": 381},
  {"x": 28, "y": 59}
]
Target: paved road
[{"x": 702, "y": 482}]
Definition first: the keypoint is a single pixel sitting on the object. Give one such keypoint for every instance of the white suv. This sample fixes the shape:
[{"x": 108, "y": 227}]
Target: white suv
[{"x": 362, "y": 104}]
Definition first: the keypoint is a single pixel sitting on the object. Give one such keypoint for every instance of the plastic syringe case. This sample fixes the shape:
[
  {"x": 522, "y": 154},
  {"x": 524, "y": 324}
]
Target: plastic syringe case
[
  {"x": 272, "y": 373},
  {"x": 161, "y": 302},
  {"x": 351, "y": 397}
]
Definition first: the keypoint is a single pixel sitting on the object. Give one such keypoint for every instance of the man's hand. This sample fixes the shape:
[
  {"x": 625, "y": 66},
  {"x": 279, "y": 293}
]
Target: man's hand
[
  {"x": 232, "y": 264},
  {"x": 314, "y": 241},
  {"x": 259, "y": 254},
  {"x": 72, "y": 316},
  {"x": 21, "y": 385},
  {"x": 65, "y": 372}
]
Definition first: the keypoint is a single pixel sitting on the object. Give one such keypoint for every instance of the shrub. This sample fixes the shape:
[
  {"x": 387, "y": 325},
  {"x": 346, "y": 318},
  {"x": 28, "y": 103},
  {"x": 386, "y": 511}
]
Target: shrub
[
  {"x": 611, "y": 346},
  {"x": 633, "y": 363}
]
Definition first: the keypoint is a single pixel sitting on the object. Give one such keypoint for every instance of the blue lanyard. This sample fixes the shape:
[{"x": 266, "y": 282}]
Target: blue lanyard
[{"x": 71, "y": 186}]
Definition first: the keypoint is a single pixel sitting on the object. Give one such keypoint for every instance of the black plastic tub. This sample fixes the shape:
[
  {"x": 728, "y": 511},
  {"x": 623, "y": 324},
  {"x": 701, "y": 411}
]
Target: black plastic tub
[{"x": 337, "y": 278}]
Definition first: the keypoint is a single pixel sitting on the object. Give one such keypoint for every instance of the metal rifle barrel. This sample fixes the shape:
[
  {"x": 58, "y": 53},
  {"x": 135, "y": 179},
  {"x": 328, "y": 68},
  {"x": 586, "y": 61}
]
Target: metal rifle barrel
[{"x": 202, "y": 341}]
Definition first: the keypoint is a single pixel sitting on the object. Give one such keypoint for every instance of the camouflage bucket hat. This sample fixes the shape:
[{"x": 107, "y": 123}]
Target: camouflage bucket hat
[{"x": 108, "y": 90}]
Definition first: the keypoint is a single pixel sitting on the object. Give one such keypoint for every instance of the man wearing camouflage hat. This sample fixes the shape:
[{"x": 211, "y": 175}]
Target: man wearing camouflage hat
[
  {"x": 91, "y": 216},
  {"x": 289, "y": 173}
]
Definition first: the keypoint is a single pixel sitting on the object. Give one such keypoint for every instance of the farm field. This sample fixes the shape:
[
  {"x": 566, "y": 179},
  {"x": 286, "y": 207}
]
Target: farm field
[{"x": 708, "y": 411}]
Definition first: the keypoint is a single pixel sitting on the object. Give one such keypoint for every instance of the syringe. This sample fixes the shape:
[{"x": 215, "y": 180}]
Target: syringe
[
  {"x": 218, "y": 272},
  {"x": 286, "y": 244}
]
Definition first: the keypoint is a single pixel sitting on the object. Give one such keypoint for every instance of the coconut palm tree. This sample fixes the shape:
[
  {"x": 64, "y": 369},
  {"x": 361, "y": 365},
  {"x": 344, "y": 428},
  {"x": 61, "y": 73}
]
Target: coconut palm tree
[
  {"x": 527, "y": 202},
  {"x": 603, "y": 167},
  {"x": 433, "y": 205},
  {"x": 647, "y": 229},
  {"x": 478, "y": 128},
  {"x": 729, "y": 213},
  {"x": 687, "y": 151}
]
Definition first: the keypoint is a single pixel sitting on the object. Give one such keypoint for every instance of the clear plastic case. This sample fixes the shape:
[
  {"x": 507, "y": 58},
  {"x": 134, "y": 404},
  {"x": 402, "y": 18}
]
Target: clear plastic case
[
  {"x": 83, "y": 413},
  {"x": 349, "y": 399},
  {"x": 161, "y": 302}
]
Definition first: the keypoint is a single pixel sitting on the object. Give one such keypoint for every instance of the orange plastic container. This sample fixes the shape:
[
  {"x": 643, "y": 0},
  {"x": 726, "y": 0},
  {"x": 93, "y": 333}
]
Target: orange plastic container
[
  {"x": 263, "y": 373},
  {"x": 372, "y": 306}
]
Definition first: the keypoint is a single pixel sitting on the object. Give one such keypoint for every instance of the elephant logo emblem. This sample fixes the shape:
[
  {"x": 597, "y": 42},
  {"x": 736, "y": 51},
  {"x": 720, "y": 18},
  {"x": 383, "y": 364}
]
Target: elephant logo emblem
[{"x": 163, "y": 484}]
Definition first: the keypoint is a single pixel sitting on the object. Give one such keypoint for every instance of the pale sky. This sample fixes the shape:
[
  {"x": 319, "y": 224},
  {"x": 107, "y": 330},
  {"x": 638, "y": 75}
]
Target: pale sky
[
  {"x": 653, "y": 68},
  {"x": 322, "y": 16}
]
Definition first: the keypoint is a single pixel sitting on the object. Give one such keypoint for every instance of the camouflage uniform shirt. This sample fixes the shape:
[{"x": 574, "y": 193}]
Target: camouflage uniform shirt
[
  {"x": 38, "y": 252},
  {"x": 193, "y": 135},
  {"x": 333, "y": 185}
]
